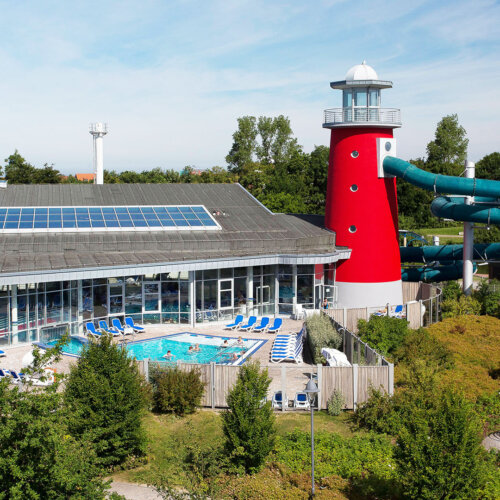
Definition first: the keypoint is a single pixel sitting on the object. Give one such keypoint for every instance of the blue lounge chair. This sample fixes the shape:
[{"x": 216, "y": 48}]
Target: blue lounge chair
[
  {"x": 276, "y": 326},
  {"x": 279, "y": 399},
  {"x": 301, "y": 401},
  {"x": 2, "y": 354},
  {"x": 130, "y": 322},
  {"x": 237, "y": 322},
  {"x": 91, "y": 330},
  {"x": 18, "y": 378},
  {"x": 117, "y": 324},
  {"x": 104, "y": 326},
  {"x": 398, "y": 312},
  {"x": 4, "y": 373},
  {"x": 264, "y": 323},
  {"x": 249, "y": 325}
]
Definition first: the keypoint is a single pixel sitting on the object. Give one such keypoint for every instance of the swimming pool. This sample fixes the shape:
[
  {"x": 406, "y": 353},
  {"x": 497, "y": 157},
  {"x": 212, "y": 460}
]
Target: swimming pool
[{"x": 178, "y": 344}]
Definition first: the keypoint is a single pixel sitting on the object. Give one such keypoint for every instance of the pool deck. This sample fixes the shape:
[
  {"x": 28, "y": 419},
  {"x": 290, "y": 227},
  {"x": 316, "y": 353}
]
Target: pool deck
[{"x": 13, "y": 360}]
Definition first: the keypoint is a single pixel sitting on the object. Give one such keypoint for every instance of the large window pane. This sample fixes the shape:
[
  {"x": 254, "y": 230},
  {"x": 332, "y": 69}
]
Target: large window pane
[
  {"x": 347, "y": 98},
  {"x": 305, "y": 289},
  {"x": 100, "y": 301},
  {"x": 133, "y": 297},
  {"x": 360, "y": 97}
]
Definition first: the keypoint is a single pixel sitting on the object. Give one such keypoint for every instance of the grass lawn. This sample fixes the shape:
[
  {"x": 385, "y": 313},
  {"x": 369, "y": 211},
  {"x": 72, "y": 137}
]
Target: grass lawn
[
  {"x": 171, "y": 439},
  {"x": 446, "y": 234}
]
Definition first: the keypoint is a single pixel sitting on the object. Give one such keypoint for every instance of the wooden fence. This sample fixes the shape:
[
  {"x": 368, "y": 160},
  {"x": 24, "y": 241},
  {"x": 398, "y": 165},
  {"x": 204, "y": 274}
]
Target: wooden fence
[
  {"x": 422, "y": 307},
  {"x": 353, "y": 382}
]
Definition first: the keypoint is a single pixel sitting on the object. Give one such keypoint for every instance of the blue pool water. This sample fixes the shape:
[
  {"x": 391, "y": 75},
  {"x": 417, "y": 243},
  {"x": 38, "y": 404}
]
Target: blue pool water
[{"x": 178, "y": 344}]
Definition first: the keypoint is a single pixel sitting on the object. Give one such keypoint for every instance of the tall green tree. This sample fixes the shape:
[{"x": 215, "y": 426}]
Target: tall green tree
[
  {"x": 488, "y": 167},
  {"x": 105, "y": 396},
  {"x": 38, "y": 457},
  {"x": 249, "y": 423},
  {"x": 18, "y": 170},
  {"x": 439, "y": 453},
  {"x": 447, "y": 153},
  {"x": 244, "y": 144}
]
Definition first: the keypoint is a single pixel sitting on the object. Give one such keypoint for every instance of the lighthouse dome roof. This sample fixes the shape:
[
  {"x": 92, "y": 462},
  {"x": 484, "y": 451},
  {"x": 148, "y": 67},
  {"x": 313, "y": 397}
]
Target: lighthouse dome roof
[{"x": 361, "y": 72}]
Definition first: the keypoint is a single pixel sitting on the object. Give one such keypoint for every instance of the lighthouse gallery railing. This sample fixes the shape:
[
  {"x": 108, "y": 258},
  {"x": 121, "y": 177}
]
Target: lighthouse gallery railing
[{"x": 363, "y": 115}]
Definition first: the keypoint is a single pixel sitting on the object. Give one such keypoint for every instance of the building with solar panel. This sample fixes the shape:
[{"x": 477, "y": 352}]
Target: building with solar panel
[{"x": 160, "y": 253}]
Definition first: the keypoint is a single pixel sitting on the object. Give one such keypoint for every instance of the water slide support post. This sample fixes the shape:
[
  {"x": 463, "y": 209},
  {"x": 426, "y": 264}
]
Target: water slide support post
[{"x": 468, "y": 270}]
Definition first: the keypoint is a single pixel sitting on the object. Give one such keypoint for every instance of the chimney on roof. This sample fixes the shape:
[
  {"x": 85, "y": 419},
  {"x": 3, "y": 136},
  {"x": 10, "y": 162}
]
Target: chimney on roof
[{"x": 98, "y": 131}]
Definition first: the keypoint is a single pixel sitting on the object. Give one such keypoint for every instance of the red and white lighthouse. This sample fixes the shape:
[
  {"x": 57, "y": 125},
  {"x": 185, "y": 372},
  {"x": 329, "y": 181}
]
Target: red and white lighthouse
[{"x": 361, "y": 202}]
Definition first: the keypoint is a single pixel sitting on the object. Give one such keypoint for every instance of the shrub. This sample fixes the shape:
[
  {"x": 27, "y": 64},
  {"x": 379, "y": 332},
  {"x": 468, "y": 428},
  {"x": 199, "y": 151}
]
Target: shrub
[
  {"x": 383, "y": 333},
  {"x": 380, "y": 413},
  {"x": 106, "y": 397},
  {"x": 421, "y": 345},
  {"x": 249, "y": 423},
  {"x": 352, "y": 457},
  {"x": 321, "y": 333},
  {"x": 451, "y": 290},
  {"x": 335, "y": 403},
  {"x": 177, "y": 391},
  {"x": 464, "y": 306},
  {"x": 489, "y": 299},
  {"x": 439, "y": 452}
]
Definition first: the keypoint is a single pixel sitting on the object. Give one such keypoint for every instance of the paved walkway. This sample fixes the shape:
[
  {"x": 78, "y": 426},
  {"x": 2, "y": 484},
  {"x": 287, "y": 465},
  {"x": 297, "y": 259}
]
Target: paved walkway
[{"x": 135, "y": 491}]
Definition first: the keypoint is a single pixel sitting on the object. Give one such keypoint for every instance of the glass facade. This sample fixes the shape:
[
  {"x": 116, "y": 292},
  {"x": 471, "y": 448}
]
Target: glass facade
[{"x": 45, "y": 310}]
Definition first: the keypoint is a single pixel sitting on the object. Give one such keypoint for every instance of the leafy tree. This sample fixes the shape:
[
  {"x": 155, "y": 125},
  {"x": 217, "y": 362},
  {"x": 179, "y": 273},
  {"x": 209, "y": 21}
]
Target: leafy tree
[
  {"x": 38, "y": 457},
  {"x": 18, "y": 170},
  {"x": 464, "y": 306},
  {"x": 415, "y": 202},
  {"x": 447, "y": 153},
  {"x": 439, "y": 452},
  {"x": 488, "y": 167},
  {"x": 106, "y": 397},
  {"x": 46, "y": 175},
  {"x": 451, "y": 290},
  {"x": 244, "y": 144},
  {"x": 249, "y": 422},
  {"x": 487, "y": 235}
]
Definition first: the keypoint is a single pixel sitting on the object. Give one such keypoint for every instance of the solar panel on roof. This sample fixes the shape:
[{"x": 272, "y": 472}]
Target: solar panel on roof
[{"x": 149, "y": 218}]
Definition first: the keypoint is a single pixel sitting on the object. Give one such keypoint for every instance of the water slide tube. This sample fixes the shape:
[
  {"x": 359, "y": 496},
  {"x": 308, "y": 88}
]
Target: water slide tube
[{"x": 485, "y": 210}]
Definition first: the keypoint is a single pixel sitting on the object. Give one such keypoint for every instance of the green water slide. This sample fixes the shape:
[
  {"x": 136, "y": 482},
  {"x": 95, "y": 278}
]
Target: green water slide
[{"x": 485, "y": 209}]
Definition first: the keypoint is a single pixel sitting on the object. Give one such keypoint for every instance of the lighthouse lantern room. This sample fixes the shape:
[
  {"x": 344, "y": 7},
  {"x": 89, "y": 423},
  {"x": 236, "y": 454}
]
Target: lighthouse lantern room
[{"x": 361, "y": 204}]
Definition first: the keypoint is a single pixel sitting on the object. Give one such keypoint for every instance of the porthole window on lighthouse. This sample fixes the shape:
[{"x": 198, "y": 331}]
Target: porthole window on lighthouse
[
  {"x": 355, "y": 154},
  {"x": 388, "y": 146},
  {"x": 354, "y": 188},
  {"x": 352, "y": 229}
]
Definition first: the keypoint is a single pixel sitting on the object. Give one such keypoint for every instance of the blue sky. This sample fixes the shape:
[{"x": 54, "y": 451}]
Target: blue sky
[{"x": 171, "y": 77}]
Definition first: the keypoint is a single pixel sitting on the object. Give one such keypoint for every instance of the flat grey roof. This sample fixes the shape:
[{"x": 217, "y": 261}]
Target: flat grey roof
[{"x": 248, "y": 229}]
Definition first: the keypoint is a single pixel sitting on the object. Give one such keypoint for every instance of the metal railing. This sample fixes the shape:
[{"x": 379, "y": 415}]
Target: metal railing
[{"x": 338, "y": 116}]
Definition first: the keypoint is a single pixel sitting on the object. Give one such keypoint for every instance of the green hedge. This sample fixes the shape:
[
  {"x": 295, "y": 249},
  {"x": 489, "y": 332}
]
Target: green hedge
[{"x": 321, "y": 333}]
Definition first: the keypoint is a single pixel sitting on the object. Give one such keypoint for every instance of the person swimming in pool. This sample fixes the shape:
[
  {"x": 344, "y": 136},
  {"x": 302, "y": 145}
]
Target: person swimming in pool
[
  {"x": 196, "y": 348},
  {"x": 169, "y": 355},
  {"x": 190, "y": 350},
  {"x": 234, "y": 357},
  {"x": 240, "y": 341},
  {"x": 225, "y": 343}
]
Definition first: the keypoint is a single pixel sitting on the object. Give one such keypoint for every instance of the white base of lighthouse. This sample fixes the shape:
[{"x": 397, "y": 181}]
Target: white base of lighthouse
[{"x": 352, "y": 295}]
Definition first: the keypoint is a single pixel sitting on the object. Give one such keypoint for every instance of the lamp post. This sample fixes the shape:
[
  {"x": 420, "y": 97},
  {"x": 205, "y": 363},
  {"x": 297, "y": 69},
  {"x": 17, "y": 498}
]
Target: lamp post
[{"x": 311, "y": 390}]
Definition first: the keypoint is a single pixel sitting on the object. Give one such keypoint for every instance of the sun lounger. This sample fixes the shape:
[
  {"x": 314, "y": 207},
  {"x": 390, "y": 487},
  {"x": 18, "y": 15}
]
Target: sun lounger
[
  {"x": 301, "y": 401},
  {"x": 264, "y": 323},
  {"x": 17, "y": 378},
  {"x": 279, "y": 400},
  {"x": 237, "y": 322},
  {"x": 91, "y": 330},
  {"x": 104, "y": 326},
  {"x": 130, "y": 322},
  {"x": 276, "y": 326},
  {"x": 2, "y": 354},
  {"x": 117, "y": 324},
  {"x": 249, "y": 324}
]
